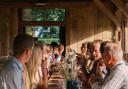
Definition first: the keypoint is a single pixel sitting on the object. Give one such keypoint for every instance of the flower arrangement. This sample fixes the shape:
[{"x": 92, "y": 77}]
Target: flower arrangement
[{"x": 69, "y": 65}]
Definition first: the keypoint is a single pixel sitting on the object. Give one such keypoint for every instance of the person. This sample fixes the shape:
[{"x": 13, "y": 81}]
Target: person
[
  {"x": 45, "y": 65},
  {"x": 11, "y": 75},
  {"x": 101, "y": 65},
  {"x": 99, "y": 69},
  {"x": 96, "y": 55},
  {"x": 118, "y": 77},
  {"x": 34, "y": 66},
  {"x": 83, "y": 62},
  {"x": 61, "y": 49},
  {"x": 49, "y": 55},
  {"x": 55, "y": 55},
  {"x": 82, "y": 59}
]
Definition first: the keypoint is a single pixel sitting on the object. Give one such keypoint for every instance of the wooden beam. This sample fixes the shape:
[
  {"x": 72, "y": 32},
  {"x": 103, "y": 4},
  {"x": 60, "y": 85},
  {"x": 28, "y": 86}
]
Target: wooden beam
[
  {"x": 107, "y": 12},
  {"x": 126, "y": 35},
  {"x": 39, "y": 23},
  {"x": 121, "y": 6},
  {"x": 59, "y": 4}
]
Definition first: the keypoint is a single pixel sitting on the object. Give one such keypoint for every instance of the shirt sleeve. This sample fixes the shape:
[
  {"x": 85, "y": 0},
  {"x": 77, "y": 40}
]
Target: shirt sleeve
[{"x": 114, "y": 81}]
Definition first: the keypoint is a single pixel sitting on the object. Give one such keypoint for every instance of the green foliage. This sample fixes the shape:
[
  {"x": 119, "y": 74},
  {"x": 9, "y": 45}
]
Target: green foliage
[
  {"x": 44, "y": 33},
  {"x": 44, "y": 14}
]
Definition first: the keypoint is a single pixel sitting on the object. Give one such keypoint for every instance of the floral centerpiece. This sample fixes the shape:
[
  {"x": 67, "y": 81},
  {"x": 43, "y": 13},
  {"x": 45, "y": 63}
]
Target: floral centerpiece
[
  {"x": 69, "y": 65},
  {"x": 69, "y": 70}
]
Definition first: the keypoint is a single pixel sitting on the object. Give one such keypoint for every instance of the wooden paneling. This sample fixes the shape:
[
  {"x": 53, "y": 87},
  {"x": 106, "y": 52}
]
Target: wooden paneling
[
  {"x": 14, "y": 25},
  {"x": 83, "y": 24},
  {"x": 7, "y": 26},
  {"x": 126, "y": 56},
  {"x": 88, "y": 24},
  {"x": 98, "y": 25},
  {"x": 4, "y": 31},
  {"x": 74, "y": 28},
  {"x": 107, "y": 28}
]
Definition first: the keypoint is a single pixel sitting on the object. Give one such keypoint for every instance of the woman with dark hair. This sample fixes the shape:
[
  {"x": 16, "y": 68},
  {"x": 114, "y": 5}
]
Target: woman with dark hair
[{"x": 84, "y": 61}]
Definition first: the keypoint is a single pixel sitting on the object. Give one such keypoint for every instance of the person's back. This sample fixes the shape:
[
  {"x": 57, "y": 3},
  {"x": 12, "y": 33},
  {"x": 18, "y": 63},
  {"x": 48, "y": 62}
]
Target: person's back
[
  {"x": 122, "y": 70},
  {"x": 125, "y": 72},
  {"x": 10, "y": 72},
  {"x": 120, "y": 80}
]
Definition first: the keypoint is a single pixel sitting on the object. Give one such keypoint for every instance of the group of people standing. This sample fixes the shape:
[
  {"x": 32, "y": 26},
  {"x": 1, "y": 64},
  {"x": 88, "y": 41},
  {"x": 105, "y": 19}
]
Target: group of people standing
[{"x": 102, "y": 66}]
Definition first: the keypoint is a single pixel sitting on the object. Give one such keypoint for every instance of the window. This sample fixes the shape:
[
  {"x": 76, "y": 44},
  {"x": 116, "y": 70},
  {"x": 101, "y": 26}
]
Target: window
[
  {"x": 44, "y": 24},
  {"x": 46, "y": 34}
]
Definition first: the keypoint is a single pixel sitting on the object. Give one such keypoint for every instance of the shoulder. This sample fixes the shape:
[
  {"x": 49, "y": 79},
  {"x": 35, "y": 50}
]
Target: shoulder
[
  {"x": 11, "y": 66},
  {"x": 122, "y": 66},
  {"x": 120, "y": 69}
]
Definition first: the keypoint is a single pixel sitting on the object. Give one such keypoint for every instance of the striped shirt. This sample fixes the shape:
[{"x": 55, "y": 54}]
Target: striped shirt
[{"x": 118, "y": 78}]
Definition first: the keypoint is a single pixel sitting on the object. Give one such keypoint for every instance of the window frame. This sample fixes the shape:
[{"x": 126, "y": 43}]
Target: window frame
[{"x": 23, "y": 24}]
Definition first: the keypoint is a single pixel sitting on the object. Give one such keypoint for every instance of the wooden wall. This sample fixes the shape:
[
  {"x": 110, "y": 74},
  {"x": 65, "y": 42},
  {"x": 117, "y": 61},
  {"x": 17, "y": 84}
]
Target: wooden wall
[
  {"x": 8, "y": 29},
  {"x": 82, "y": 24},
  {"x": 87, "y": 24}
]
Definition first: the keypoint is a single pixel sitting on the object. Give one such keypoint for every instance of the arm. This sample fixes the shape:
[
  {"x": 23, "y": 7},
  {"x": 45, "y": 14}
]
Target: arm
[
  {"x": 45, "y": 79},
  {"x": 43, "y": 83}
]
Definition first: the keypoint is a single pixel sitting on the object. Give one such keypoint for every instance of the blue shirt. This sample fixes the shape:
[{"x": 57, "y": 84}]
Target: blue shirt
[{"x": 11, "y": 75}]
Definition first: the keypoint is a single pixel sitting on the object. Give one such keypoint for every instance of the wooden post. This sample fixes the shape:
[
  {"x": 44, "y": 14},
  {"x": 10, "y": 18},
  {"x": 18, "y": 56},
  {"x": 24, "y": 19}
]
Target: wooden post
[
  {"x": 126, "y": 40},
  {"x": 0, "y": 33},
  {"x": 118, "y": 35},
  {"x": 5, "y": 37},
  {"x": 67, "y": 30},
  {"x": 118, "y": 29},
  {"x": 14, "y": 25},
  {"x": 8, "y": 29},
  {"x": 126, "y": 35}
]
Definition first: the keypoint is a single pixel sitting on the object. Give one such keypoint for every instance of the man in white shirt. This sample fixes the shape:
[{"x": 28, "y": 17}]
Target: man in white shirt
[{"x": 113, "y": 58}]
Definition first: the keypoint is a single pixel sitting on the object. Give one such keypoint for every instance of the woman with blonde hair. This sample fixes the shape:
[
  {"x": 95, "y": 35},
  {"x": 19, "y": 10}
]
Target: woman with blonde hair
[{"x": 34, "y": 66}]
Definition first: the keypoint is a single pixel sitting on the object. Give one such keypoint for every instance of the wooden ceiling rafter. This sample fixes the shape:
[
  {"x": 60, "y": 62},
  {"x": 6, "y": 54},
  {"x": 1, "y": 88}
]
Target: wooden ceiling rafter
[
  {"x": 107, "y": 12},
  {"x": 121, "y": 6},
  {"x": 61, "y": 4}
]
